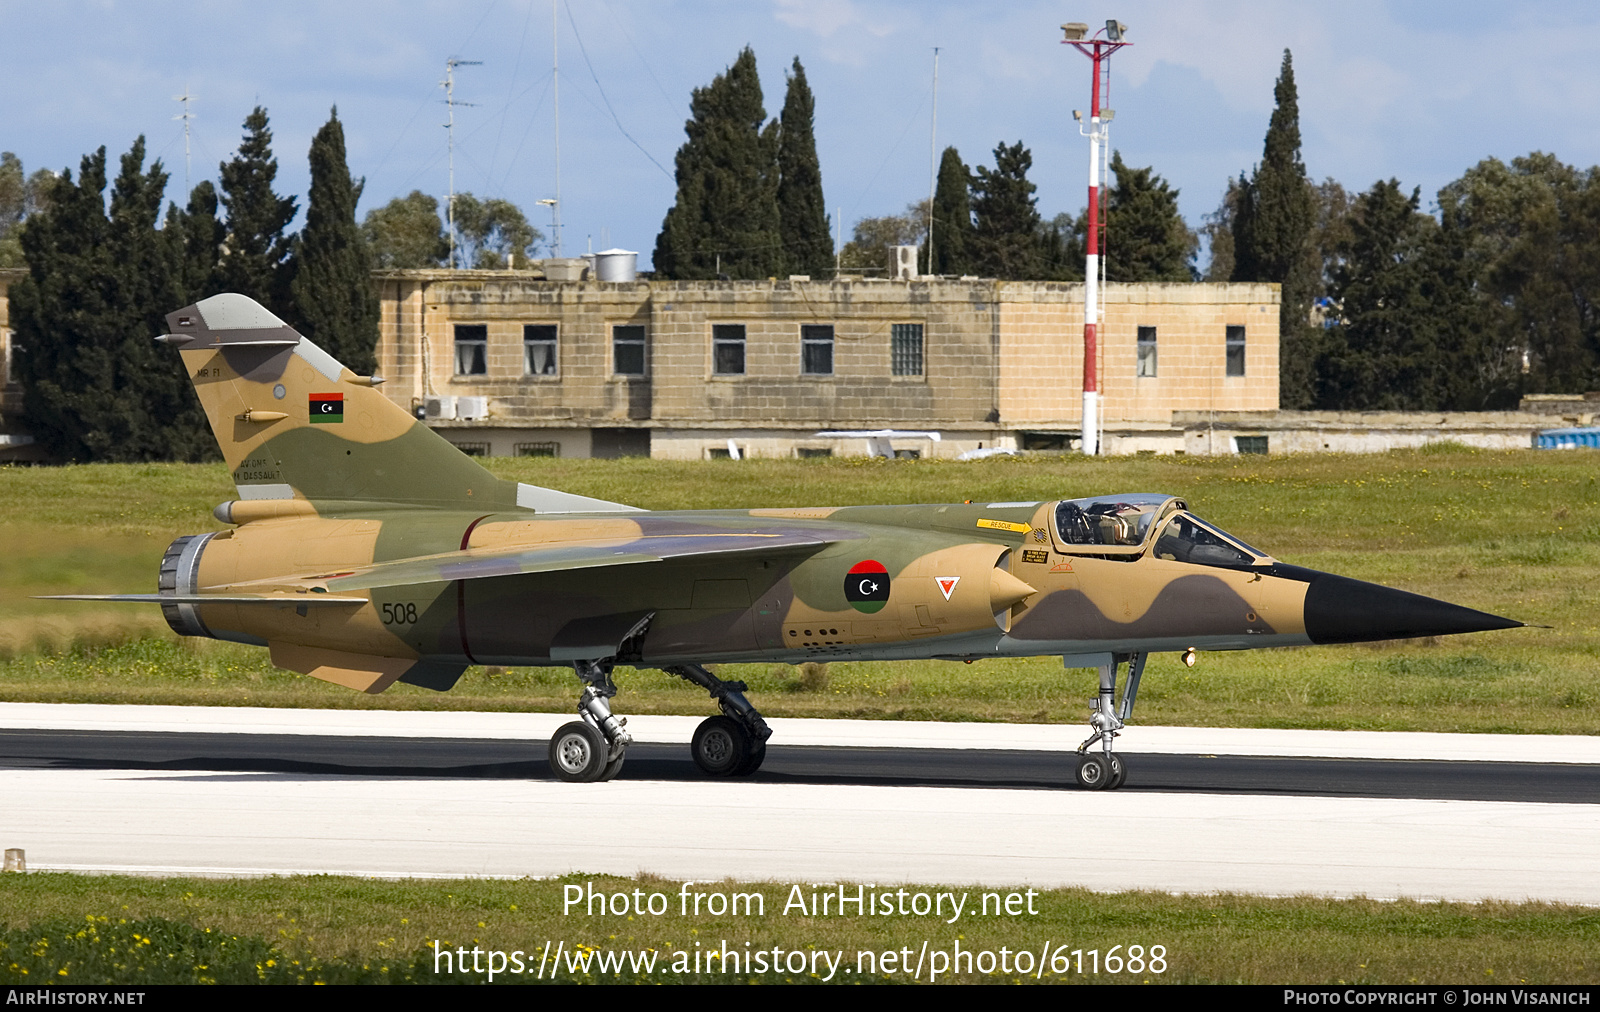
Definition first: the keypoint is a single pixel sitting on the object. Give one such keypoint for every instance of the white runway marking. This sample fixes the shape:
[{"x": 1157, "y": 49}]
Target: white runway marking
[{"x": 226, "y": 823}]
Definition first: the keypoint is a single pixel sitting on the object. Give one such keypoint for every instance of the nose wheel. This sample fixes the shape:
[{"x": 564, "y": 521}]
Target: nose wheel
[
  {"x": 1105, "y": 770},
  {"x": 1101, "y": 771}
]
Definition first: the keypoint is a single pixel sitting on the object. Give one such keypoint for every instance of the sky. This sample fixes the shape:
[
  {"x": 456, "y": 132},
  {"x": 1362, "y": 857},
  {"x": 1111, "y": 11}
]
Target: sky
[{"x": 1417, "y": 91}]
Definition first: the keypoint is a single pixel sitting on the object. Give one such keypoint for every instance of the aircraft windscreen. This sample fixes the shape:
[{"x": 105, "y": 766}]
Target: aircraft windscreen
[
  {"x": 1187, "y": 538},
  {"x": 1113, "y": 521}
]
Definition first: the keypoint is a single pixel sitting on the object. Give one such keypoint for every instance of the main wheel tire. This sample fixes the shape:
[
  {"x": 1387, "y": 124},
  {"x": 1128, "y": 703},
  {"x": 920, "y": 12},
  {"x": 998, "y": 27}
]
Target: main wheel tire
[
  {"x": 1119, "y": 772},
  {"x": 720, "y": 746},
  {"x": 752, "y": 760},
  {"x": 613, "y": 767},
  {"x": 1094, "y": 773},
  {"x": 578, "y": 753}
]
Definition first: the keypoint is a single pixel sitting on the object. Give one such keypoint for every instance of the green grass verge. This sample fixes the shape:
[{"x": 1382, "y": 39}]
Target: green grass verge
[
  {"x": 1515, "y": 533},
  {"x": 112, "y": 929}
]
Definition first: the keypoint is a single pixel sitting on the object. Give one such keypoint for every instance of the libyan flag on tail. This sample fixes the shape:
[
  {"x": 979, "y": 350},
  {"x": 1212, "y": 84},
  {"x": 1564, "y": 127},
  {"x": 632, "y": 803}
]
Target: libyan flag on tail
[{"x": 327, "y": 408}]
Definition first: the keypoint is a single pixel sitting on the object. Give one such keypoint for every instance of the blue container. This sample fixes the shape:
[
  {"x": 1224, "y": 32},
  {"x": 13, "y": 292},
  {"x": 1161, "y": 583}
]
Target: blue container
[{"x": 1566, "y": 439}]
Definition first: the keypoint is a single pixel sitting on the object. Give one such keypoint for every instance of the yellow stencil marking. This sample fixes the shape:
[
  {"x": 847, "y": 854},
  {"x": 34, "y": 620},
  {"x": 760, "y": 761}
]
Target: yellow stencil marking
[{"x": 1004, "y": 525}]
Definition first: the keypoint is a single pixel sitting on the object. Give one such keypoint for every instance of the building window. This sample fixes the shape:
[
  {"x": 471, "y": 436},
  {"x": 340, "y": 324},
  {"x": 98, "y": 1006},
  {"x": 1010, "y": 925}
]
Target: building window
[
  {"x": 1147, "y": 352},
  {"x": 727, "y": 349},
  {"x": 816, "y": 350},
  {"x": 539, "y": 349},
  {"x": 472, "y": 349},
  {"x": 1250, "y": 444},
  {"x": 1235, "y": 351},
  {"x": 537, "y": 449},
  {"x": 627, "y": 350},
  {"x": 905, "y": 351},
  {"x": 473, "y": 449},
  {"x": 812, "y": 452}
]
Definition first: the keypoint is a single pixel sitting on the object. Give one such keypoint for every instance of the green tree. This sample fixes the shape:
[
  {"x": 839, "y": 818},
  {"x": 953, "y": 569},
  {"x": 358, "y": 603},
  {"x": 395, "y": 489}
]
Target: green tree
[
  {"x": 1536, "y": 250},
  {"x": 489, "y": 233},
  {"x": 1218, "y": 232},
  {"x": 407, "y": 233},
  {"x": 1146, "y": 237},
  {"x": 198, "y": 236},
  {"x": 1005, "y": 240},
  {"x": 334, "y": 303},
  {"x": 96, "y": 385},
  {"x": 725, "y": 218},
  {"x": 1060, "y": 244},
  {"x": 952, "y": 216},
  {"x": 1409, "y": 335},
  {"x": 802, "y": 212},
  {"x": 258, "y": 261},
  {"x": 1384, "y": 336},
  {"x": 868, "y": 248},
  {"x": 20, "y": 196},
  {"x": 1272, "y": 223}
]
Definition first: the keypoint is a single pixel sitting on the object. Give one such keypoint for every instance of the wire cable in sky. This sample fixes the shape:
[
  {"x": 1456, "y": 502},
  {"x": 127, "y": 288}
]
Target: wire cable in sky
[
  {"x": 896, "y": 146},
  {"x": 607, "y": 100},
  {"x": 515, "y": 69}
]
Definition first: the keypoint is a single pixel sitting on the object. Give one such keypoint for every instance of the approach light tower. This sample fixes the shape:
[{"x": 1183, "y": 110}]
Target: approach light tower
[{"x": 1099, "y": 51}]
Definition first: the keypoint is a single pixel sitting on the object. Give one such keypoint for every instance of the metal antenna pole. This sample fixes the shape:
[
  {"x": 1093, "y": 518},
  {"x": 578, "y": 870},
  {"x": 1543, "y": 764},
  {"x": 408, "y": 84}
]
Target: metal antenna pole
[
  {"x": 555, "y": 75},
  {"x": 449, "y": 85},
  {"x": 933, "y": 155},
  {"x": 186, "y": 116}
]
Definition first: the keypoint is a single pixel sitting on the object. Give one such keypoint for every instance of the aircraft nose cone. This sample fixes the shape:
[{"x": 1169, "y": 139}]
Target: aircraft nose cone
[{"x": 1342, "y": 610}]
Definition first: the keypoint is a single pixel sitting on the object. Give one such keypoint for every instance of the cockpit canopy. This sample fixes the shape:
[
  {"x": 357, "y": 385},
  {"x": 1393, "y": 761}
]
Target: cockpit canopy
[{"x": 1128, "y": 526}]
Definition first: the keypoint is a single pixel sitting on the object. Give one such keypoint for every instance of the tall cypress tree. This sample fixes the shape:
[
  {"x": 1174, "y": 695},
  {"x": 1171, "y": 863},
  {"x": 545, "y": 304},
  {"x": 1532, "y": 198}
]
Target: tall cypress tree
[
  {"x": 96, "y": 385},
  {"x": 1272, "y": 225},
  {"x": 726, "y": 211},
  {"x": 952, "y": 216},
  {"x": 802, "y": 212},
  {"x": 1005, "y": 241},
  {"x": 258, "y": 261},
  {"x": 334, "y": 303}
]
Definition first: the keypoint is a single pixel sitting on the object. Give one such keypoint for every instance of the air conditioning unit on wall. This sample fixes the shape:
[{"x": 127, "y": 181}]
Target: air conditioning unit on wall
[
  {"x": 472, "y": 409},
  {"x": 441, "y": 408}
]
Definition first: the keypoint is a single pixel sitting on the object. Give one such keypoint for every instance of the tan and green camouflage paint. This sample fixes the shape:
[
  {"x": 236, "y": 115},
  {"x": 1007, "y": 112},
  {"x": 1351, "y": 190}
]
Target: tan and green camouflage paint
[{"x": 455, "y": 566}]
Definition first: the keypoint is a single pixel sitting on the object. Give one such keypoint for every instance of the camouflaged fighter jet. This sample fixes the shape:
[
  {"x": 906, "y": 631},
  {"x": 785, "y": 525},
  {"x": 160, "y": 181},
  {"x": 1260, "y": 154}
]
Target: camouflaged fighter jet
[{"x": 364, "y": 549}]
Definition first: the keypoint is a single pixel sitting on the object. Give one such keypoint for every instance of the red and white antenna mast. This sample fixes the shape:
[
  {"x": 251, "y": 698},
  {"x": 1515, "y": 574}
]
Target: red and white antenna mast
[{"x": 1099, "y": 51}]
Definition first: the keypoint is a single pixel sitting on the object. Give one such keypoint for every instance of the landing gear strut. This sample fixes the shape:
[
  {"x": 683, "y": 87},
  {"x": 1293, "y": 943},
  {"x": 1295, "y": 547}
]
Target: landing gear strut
[
  {"x": 593, "y": 748},
  {"x": 1106, "y": 771},
  {"x": 735, "y": 743}
]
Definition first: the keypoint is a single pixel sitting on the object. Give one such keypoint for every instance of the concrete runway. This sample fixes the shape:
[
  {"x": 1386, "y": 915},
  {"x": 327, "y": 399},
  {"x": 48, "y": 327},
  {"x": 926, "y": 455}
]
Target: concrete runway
[{"x": 170, "y": 790}]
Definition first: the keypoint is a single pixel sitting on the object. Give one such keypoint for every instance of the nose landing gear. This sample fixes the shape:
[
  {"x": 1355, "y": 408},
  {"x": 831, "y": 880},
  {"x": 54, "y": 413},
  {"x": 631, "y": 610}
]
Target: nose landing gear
[{"x": 1107, "y": 771}]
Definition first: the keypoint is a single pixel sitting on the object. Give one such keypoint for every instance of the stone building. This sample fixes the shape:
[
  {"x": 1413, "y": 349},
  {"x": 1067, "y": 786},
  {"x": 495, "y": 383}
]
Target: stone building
[
  {"x": 509, "y": 363},
  {"x": 15, "y": 443}
]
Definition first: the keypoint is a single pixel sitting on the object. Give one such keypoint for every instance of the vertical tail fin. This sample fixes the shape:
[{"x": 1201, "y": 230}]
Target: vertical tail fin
[{"x": 293, "y": 423}]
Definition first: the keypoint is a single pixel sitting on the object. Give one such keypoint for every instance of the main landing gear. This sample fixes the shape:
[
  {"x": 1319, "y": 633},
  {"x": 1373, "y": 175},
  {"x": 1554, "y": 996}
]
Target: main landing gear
[
  {"x": 592, "y": 748},
  {"x": 735, "y": 743},
  {"x": 1105, "y": 770}
]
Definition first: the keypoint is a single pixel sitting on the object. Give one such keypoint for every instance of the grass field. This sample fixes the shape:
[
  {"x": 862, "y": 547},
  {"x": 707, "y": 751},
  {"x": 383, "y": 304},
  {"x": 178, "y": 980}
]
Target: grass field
[
  {"x": 1514, "y": 533},
  {"x": 110, "y": 929}
]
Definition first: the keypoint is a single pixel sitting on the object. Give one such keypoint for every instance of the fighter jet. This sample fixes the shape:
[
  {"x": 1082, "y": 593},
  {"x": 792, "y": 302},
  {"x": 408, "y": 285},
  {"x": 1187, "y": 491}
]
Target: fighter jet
[{"x": 364, "y": 549}]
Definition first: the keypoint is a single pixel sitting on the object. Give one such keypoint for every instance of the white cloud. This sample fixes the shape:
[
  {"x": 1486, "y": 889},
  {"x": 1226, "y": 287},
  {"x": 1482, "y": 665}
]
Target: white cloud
[{"x": 827, "y": 17}]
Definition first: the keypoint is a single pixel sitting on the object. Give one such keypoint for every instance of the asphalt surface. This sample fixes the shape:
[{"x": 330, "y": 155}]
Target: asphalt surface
[{"x": 793, "y": 765}]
